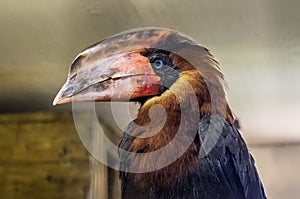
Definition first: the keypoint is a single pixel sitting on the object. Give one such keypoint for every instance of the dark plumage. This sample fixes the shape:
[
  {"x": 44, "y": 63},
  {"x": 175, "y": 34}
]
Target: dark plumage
[
  {"x": 171, "y": 70},
  {"x": 227, "y": 172}
]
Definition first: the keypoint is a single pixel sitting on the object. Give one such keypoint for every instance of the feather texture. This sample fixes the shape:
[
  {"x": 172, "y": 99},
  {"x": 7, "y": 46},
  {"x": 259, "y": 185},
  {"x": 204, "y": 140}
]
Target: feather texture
[{"x": 226, "y": 172}]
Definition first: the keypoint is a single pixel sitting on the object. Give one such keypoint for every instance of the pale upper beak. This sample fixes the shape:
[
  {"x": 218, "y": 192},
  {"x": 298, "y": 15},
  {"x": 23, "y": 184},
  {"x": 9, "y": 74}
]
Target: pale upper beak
[{"x": 113, "y": 69}]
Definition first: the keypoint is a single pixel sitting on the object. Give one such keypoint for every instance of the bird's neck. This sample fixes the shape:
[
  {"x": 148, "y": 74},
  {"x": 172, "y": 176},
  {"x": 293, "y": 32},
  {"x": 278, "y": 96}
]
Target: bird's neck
[
  {"x": 158, "y": 122},
  {"x": 180, "y": 107},
  {"x": 190, "y": 95}
]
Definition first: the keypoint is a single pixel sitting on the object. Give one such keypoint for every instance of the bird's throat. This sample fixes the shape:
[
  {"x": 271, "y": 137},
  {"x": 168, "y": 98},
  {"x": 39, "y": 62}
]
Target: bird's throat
[{"x": 157, "y": 127}]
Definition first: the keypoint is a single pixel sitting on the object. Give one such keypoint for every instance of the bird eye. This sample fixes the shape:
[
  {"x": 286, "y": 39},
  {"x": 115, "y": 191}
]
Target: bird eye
[{"x": 158, "y": 63}]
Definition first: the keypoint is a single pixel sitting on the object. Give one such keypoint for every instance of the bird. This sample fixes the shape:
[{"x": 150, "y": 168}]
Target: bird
[{"x": 183, "y": 142}]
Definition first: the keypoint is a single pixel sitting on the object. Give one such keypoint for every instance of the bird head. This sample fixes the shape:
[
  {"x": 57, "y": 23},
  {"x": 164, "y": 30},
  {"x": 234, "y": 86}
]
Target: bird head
[{"x": 145, "y": 65}]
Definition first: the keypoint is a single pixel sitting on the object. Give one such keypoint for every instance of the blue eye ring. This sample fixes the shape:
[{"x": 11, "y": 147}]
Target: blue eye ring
[{"x": 158, "y": 63}]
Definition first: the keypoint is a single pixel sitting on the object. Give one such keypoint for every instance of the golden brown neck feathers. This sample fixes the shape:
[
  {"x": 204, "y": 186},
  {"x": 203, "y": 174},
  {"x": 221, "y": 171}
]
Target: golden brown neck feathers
[
  {"x": 175, "y": 101},
  {"x": 207, "y": 86}
]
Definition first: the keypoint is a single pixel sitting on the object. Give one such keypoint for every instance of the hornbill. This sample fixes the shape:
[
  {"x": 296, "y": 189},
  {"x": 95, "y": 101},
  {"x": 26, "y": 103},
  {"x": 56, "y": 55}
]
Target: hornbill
[{"x": 198, "y": 151}]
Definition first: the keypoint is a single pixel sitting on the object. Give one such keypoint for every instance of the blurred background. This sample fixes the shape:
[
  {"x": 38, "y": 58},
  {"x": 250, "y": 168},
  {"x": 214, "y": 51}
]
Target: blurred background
[{"x": 256, "y": 42}]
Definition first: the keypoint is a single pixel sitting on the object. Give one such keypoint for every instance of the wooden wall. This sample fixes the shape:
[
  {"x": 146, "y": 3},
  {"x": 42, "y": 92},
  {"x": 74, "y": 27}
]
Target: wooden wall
[{"x": 41, "y": 156}]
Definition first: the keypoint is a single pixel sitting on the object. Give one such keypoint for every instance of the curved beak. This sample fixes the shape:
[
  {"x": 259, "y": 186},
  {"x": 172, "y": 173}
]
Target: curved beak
[
  {"x": 113, "y": 69},
  {"x": 121, "y": 77}
]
